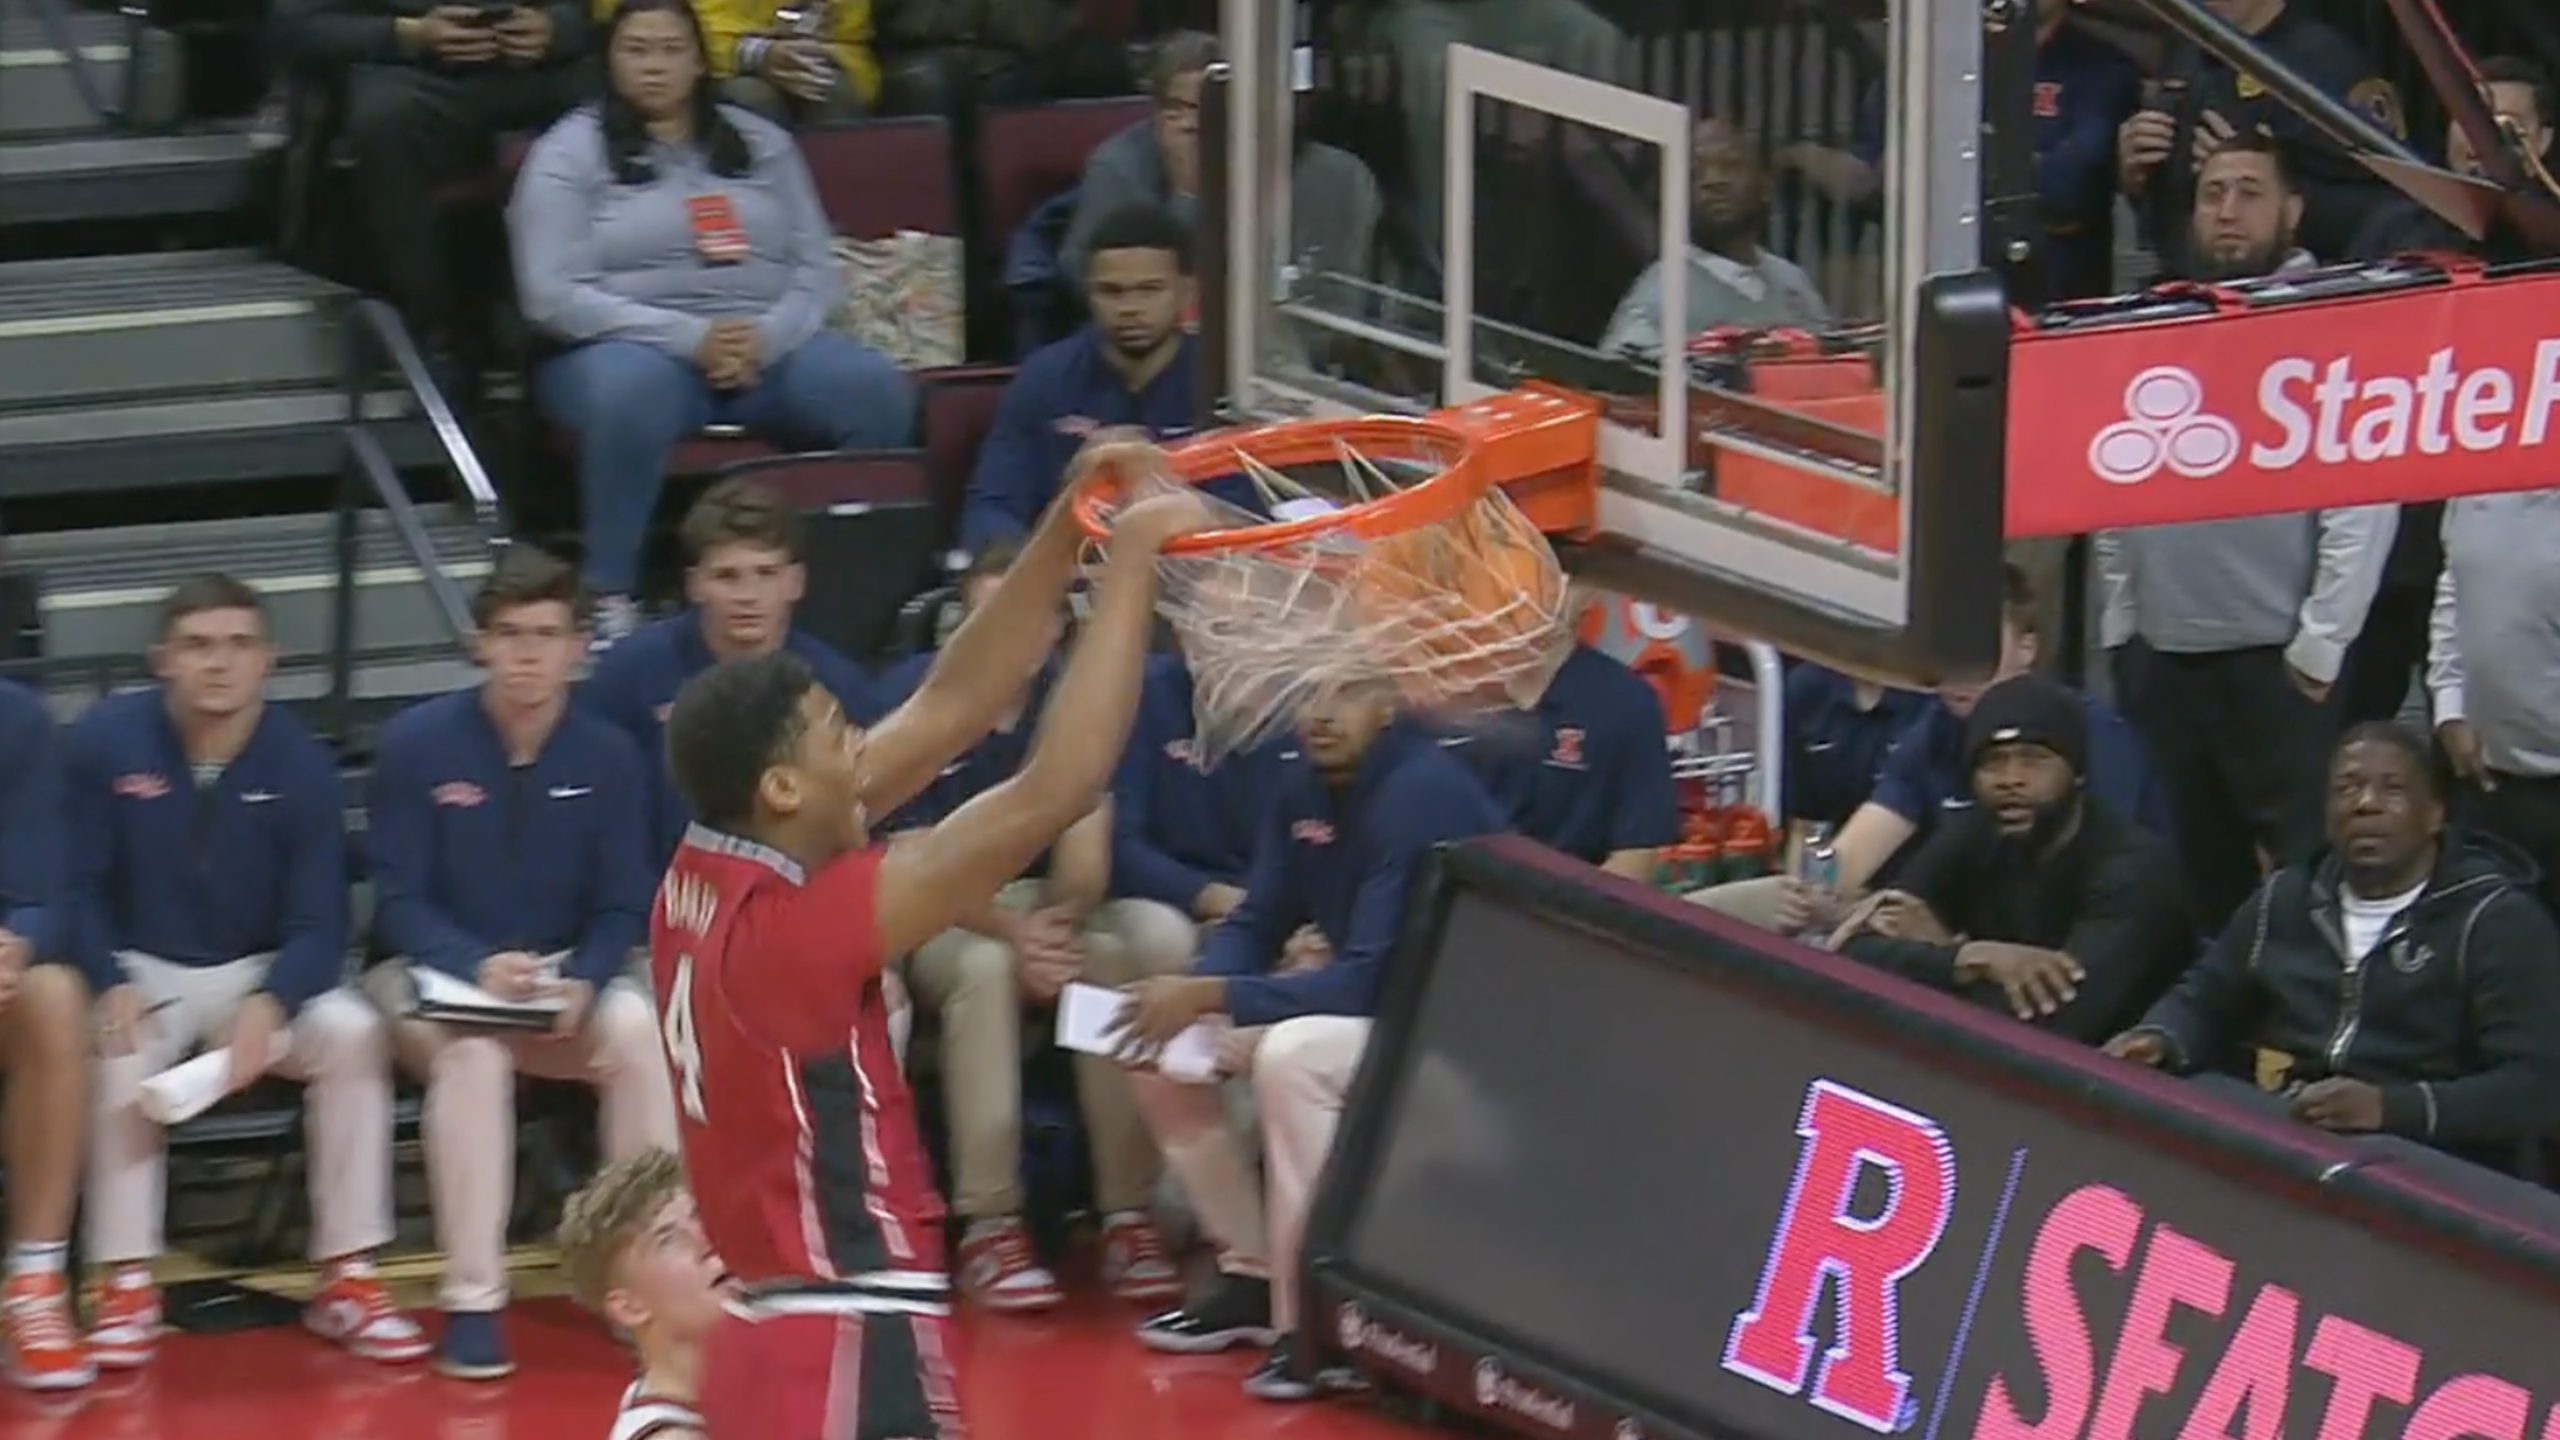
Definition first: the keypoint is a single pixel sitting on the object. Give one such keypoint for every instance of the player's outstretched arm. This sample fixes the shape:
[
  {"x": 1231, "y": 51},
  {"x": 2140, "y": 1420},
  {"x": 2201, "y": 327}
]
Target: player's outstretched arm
[
  {"x": 982, "y": 669},
  {"x": 930, "y": 878}
]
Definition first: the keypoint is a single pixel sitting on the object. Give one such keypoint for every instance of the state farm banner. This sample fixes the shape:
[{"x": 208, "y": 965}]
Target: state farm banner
[
  {"x": 2401, "y": 397},
  {"x": 1590, "y": 1189}
]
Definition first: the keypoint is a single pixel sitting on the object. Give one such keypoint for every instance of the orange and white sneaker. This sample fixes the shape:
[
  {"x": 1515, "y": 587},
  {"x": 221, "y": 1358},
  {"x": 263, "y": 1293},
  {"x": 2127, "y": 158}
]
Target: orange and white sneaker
[
  {"x": 1134, "y": 1263},
  {"x": 999, "y": 1270},
  {"x": 40, "y": 1348},
  {"x": 353, "y": 1310},
  {"x": 125, "y": 1319}
]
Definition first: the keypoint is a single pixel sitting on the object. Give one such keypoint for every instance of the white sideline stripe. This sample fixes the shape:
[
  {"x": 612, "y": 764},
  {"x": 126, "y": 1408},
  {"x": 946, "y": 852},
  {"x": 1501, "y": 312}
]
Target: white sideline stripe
[
  {"x": 281, "y": 585},
  {"x": 51, "y": 325},
  {"x": 30, "y": 59},
  {"x": 775, "y": 1307}
]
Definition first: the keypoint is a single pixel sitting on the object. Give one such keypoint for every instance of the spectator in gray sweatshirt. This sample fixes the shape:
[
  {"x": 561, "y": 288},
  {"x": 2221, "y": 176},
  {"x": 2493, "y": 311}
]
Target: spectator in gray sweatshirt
[
  {"x": 2493, "y": 668},
  {"x": 677, "y": 247},
  {"x": 1333, "y": 211},
  {"x": 1733, "y": 278},
  {"x": 2229, "y": 635}
]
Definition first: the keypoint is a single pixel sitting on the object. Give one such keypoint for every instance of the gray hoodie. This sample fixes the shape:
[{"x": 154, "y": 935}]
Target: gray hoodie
[{"x": 2493, "y": 643}]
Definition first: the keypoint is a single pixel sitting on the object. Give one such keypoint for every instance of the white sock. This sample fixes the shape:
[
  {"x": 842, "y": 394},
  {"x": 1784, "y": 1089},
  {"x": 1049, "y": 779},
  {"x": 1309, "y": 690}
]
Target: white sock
[{"x": 30, "y": 1259}]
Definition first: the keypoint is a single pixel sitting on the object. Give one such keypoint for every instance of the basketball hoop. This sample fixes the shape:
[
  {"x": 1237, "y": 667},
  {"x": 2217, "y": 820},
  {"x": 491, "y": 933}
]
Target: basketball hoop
[{"x": 1397, "y": 550}]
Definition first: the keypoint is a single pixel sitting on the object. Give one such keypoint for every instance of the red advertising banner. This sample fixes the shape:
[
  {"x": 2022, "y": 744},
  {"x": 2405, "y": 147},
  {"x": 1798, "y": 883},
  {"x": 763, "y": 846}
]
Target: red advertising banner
[{"x": 2415, "y": 395}]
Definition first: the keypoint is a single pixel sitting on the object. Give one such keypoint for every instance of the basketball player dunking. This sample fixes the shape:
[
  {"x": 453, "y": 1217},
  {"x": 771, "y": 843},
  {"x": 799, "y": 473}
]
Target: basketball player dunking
[{"x": 766, "y": 948}]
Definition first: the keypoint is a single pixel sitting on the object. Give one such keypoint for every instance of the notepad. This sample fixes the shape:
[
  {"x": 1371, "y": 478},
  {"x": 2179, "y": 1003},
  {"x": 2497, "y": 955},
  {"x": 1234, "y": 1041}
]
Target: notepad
[
  {"x": 453, "y": 1001},
  {"x": 189, "y": 1088},
  {"x": 1089, "y": 1023}
]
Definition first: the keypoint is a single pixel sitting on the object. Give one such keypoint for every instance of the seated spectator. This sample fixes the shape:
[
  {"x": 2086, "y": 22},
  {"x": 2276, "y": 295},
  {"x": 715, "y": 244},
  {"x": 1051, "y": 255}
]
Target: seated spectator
[
  {"x": 980, "y": 977},
  {"x": 1588, "y": 771},
  {"x": 793, "y": 64},
  {"x": 1565, "y": 34},
  {"x": 509, "y": 848},
  {"x": 1333, "y": 199},
  {"x": 1838, "y": 733},
  {"x": 947, "y": 57},
  {"x": 44, "y": 1053},
  {"x": 2038, "y": 900},
  {"x": 208, "y": 899},
  {"x": 1132, "y": 367},
  {"x": 678, "y": 249},
  {"x": 632, "y": 1247},
  {"x": 1924, "y": 776},
  {"x": 2402, "y": 981},
  {"x": 743, "y": 578},
  {"x": 1181, "y": 836},
  {"x": 1339, "y": 849},
  {"x": 429, "y": 90},
  {"x": 1733, "y": 278}
]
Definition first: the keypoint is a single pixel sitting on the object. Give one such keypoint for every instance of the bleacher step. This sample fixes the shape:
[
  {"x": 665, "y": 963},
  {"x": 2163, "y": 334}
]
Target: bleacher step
[
  {"x": 40, "y": 96},
  {"x": 126, "y": 177},
  {"x": 98, "y": 590},
  {"x": 120, "y": 327}
]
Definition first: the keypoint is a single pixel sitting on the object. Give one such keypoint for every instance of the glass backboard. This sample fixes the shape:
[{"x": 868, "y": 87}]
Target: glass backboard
[{"x": 1752, "y": 229}]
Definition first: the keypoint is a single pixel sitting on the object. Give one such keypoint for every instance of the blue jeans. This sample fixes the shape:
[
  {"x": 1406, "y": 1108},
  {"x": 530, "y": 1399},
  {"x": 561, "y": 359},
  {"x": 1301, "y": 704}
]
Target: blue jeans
[{"x": 630, "y": 405}]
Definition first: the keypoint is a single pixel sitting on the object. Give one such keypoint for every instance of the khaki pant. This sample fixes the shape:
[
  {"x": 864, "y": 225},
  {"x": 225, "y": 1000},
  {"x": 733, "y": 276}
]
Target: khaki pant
[
  {"x": 469, "y": 1122},
  {"x": 339, "y": 1053},
  {"x": 971, "y": 982},
  {"x": 1302, "y": 1073}
]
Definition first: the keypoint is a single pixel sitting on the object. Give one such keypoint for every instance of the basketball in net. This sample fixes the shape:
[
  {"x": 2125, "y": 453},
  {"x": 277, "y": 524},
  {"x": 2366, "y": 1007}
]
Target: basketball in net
[{"x": 1372, "y": 550}]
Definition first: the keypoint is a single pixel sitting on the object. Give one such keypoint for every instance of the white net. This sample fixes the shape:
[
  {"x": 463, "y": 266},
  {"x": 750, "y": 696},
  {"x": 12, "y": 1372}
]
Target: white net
[{"x": 1462, "y": 615}]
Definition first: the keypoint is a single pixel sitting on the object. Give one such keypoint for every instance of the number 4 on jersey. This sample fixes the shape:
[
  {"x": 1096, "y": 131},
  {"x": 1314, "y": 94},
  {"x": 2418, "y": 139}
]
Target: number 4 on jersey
[{"x": 682, "y": 1053}]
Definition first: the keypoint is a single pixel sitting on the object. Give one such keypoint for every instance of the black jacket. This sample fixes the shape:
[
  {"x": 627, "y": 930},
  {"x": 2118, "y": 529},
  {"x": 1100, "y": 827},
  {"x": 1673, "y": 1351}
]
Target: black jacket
[
  {"x": 2112, "y": 899},
  {"x": 2454, "y": 1014}
]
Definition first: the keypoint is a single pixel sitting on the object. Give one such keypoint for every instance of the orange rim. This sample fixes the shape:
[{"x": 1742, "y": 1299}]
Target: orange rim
[{"x": 1427, "y": 501}]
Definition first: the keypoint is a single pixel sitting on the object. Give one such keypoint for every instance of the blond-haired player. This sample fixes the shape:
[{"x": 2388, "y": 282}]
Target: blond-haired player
[{"x": 635, "y": 1253}]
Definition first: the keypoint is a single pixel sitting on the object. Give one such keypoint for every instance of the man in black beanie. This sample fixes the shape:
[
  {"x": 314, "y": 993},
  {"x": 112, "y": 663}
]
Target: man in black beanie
[{"x": 2037, "y": 900}]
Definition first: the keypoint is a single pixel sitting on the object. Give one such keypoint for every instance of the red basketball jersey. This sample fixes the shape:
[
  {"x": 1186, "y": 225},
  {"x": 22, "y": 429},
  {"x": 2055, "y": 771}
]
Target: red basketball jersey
[{"x": 799, "y": 1134}]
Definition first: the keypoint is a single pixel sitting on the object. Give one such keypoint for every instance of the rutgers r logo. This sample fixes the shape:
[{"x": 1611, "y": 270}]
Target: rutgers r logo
[
  {"x": 1825, "y": 1240},
  {"x": 2165, "y": 427}
]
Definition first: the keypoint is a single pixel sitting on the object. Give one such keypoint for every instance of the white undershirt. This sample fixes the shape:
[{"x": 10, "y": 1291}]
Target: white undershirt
[{"x": 2367, "y": 919}]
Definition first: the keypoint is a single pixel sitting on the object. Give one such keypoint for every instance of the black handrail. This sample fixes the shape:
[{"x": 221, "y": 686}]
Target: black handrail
[{"x": 376, "y": 333}]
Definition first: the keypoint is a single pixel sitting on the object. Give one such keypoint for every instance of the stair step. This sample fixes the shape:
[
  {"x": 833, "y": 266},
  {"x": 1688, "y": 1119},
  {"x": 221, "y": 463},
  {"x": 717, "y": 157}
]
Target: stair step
[
  {"x": 99, "y": 591},
  {"x": 40, "y": 97},
  {"x": 126, "y": 177},
  {"x": 208, "y": 441},
  {"x": 126, "y": 327}
]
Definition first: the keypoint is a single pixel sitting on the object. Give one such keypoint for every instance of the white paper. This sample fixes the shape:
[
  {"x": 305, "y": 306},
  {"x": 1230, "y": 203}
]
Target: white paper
[
  {"x": 1089, "y": 1022},
  {"x": 189, "y": 1088},
  {"x": 435, "y": 987}
]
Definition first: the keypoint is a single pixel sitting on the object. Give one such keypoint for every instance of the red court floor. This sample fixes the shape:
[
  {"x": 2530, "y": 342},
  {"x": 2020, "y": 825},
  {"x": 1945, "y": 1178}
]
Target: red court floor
[{"x": 1076, "y": 1377}]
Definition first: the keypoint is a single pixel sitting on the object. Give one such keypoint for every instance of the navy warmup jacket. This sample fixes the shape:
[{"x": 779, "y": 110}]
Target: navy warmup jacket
[
  {"x": 1344, "y": 862},
  {"x": 635, "y": 685},
  {"x": 472, "y": 855},
  {"x": 1834, "y": 748},
  {"x": 31, "y": 824},
  {"x": 255, "y": 862},
  {"x": 1177, "y": 829},
  {"x": 1588, "y": 771}
]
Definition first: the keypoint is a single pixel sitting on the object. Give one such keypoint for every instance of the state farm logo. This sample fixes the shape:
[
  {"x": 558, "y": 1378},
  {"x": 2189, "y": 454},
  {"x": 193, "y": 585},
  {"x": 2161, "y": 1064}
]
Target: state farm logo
[
  {"x": 2165, "y": 427},
  {"x": 1496, "y": 1390},
  {"x": 2328, "y": 413},
  {"x": 1359, "y": 1334}
]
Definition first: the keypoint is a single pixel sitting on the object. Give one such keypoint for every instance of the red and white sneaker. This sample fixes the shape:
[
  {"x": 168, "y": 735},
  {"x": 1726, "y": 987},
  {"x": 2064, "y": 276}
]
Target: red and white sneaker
[
  {"x": 124, "y": 1316},
  {"x": 999, "y": 1270},
  {"x": 353, "y": 1310},
  {"x": 1134, "y": 1263},
  {"x": 40, "y": 1349}
]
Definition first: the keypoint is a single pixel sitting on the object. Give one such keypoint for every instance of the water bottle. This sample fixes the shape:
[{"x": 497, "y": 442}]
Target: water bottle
[
  {"x": 816, "y": 22},
  {"x": 1818, "y": 866}
]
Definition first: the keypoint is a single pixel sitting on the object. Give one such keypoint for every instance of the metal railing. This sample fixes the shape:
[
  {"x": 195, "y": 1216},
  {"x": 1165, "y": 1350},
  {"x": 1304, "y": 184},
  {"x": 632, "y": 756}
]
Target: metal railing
[
  {"x": 379, "y": 347},
  {"x": 54, "y": 18}
]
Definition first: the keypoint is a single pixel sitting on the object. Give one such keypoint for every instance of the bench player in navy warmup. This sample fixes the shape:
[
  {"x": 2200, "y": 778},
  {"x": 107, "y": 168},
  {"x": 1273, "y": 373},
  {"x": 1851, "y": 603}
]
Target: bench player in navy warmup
[{"x": 767, "y": 945}]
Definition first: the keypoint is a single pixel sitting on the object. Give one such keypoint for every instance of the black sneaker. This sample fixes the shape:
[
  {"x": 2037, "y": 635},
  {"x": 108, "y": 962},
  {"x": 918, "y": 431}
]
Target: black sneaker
[
  {"x": 1235, "y": 1312},
  {"x": 1282, "y": 1379}
]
